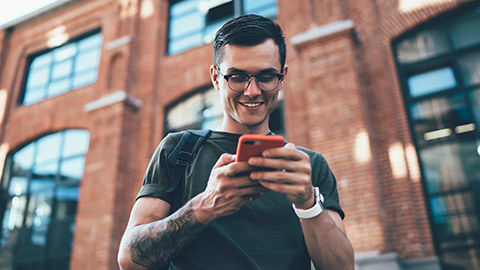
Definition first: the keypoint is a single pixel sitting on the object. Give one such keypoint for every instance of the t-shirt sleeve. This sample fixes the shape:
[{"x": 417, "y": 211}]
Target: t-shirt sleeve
[
  {"x": 323, "y": 178},
  {"x": 159, "y": 174}
]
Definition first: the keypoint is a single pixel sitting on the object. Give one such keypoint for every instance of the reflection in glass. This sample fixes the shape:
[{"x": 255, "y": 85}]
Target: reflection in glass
[
  {"x": 58, "y": 87},
  {"x": 421, "y": 45},
  {"x": 48, "y": 148},
  {"x": 76, "y": 142},
  {"x": 470, "y": 68},
  {"x": 37, "y": 200},
  {"x": 73, "y": 168},
  {"x": 431, "y": 81},
  {"x": 440, "y": 117},
  {"x": 38, "y": 77},
  {"x": 54, "y": 71},
  {"x": 451, "y": 166},
  {"x": 465, "y": 28}
]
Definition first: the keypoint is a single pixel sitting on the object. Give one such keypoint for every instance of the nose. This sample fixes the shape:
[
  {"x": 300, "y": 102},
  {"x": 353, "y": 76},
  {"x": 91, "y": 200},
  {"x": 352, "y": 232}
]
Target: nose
[{"x": 253, "y": 89}]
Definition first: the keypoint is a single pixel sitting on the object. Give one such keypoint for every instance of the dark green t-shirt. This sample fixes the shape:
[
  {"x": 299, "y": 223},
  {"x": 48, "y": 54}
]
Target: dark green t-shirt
[{"x": 263, "y": 234}]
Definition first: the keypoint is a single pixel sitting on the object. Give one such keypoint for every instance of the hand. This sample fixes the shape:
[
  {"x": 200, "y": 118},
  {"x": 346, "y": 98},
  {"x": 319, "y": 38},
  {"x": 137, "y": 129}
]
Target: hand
[
  {"x": 229, "y": 188},
  {"x": 292, "y": 174}
]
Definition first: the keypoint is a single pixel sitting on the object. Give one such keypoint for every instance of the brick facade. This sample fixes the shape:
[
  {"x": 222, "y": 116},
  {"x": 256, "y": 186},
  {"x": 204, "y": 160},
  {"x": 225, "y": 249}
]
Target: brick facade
[{"x": 342, "y": 99}]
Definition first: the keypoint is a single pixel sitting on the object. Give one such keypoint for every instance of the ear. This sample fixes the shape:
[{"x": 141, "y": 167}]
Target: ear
[{"x": 214, "y": 77}]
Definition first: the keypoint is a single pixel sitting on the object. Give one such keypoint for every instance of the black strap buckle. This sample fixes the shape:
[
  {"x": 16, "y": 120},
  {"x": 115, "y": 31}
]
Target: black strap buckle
[{"x": 183, "y": 158}]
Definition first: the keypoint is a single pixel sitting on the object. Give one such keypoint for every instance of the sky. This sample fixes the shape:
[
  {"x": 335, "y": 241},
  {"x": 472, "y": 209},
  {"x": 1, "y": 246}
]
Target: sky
[{"x": 11, "y": 10}]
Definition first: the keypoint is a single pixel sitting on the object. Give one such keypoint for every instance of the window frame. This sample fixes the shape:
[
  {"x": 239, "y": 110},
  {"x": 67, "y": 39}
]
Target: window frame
[
  {"x": 71, "y": 75},
  {"x": 404, "y": 71},
  {"x": 238, "y": 9}
]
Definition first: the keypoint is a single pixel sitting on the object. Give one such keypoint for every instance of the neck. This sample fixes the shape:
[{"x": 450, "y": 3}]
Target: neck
[{"x": 242, "y": 129}]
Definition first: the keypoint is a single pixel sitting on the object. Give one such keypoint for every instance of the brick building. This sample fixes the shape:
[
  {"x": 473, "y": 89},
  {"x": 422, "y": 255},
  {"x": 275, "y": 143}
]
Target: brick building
[{"x": 388, "y": 91}]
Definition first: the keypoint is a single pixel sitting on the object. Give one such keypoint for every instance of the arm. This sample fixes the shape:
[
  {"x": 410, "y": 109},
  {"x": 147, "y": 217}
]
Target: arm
[
  {"x": 153, "y": 238},
  {"x": 325, "y": 235}
]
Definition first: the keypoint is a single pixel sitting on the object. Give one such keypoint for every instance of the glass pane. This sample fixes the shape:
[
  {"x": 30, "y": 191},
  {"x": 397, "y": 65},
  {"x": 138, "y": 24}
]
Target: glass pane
[
  {"x": 212, "y": 102},
  {"x": 41, "y": 60},
  {"x": 179, "y": 45},
  {"x": 441, "y": 117},
  {"x": 48, "y": 148},
  {"x": 60, "y": 86},
  {"x": 87, "y": 60},
  {"x": 34, "y": 95},
  {"x": 76, "y": 142},
  {"x": 62, "y": 69},
  {"x": 18, "y": 186},
  {"x": 84, "y": 78},
  {"x": 451, "y": 166},
  {"x": 467, "y": 258},
  {"x": 470, "y": 67},
  {"x": 64, "y": 52},
  {"x": 46, "y": 170},
  {"x": 39, "y": 211},
  {"x": 186, "y": 112},
  {"x": 23, "y": 158},
  {"x": 256, "y": 5},
  {"x": 422, "y": 45},
  {"x": 90, "y": 42},
  {"x": 67, "y": 197},
  {"x": 465, "y": 28},
  {"x": 38, "y": 77},
  {"x": 72, "y": 168},
  {"x": 193, "y": 22},
  {"x": 183, "y": 7},
  {"x": 431, "y": 81},
  {"x": 12, "y": 221}
]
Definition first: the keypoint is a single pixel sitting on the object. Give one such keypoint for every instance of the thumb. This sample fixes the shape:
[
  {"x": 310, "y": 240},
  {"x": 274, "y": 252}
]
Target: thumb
[{"x": 223, "y": 160}]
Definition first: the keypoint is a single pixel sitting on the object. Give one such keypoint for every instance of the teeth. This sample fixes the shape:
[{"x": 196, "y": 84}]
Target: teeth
[{"x": 251, "y": 105}]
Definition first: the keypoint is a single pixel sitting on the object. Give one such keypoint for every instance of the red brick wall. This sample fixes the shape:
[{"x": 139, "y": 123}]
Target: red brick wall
[{"x": 342, "y": 95}]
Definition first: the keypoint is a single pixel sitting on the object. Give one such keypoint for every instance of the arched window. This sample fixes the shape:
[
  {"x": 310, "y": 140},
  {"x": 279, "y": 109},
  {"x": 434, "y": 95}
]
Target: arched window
[
  {"x": 439, "y": 68},
  {"x": 38, "y": 201}
]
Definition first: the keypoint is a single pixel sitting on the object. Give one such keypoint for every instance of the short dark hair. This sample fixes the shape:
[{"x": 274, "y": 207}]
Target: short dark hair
[{"x": 248, "y": 30}]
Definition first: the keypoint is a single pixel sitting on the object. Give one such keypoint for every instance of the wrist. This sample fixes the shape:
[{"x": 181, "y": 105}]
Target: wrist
[
  {"x": 203, "y": 213},
  {"x": 313, "y": 211}
]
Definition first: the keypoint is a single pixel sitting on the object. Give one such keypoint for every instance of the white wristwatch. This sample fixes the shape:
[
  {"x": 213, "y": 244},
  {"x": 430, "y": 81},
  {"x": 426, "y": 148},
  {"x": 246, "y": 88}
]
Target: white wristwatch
[{"x": 315, "y": 210}]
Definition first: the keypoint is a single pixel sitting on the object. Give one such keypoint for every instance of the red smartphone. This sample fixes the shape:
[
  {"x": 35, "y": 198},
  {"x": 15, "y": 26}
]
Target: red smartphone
[{"x": 250, "y": 145}]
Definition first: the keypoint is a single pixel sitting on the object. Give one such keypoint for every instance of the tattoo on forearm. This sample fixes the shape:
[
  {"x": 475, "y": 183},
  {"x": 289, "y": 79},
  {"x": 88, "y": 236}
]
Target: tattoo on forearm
[{"x": 155, "y": 244}]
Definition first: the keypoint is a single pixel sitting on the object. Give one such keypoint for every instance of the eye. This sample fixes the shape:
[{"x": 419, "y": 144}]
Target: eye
[
  {"x": 266, "y": 77},
  {"x": 238, "y": 78}
]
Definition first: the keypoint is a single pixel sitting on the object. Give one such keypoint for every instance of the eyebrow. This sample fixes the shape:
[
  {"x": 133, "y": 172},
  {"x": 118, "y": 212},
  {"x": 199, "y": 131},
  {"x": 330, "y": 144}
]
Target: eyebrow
[{"x": 236, "y": 70}]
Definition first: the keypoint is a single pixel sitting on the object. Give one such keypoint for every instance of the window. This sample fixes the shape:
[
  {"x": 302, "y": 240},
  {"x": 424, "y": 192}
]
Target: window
[
  {"x": 64, "y": 68},
  {"x": 38, "y": 201},
  {"x": 203, "y": 110},
  {"x": 194, "y": 22},
  {"x": 439, "y": 67}
]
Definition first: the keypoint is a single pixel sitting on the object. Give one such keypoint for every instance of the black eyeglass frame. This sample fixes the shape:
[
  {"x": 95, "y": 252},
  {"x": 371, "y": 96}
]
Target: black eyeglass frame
[{"x": 228, "y": 76}]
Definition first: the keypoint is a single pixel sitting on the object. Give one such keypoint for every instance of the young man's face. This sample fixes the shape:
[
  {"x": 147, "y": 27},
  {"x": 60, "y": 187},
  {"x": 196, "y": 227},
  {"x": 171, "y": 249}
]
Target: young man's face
[{"x": 247, "y": 111}]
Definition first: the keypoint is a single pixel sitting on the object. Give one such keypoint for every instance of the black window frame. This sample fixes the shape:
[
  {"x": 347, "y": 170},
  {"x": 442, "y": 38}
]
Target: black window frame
[
  {"x": 35, "y": 55},
  {"x": 449, "y": 58},
  {"x": 238, "y": 9}
]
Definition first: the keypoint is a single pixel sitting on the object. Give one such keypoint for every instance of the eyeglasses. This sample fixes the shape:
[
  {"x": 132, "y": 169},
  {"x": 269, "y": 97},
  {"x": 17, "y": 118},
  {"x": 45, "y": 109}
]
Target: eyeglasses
[{"x": 240, "y": 82}]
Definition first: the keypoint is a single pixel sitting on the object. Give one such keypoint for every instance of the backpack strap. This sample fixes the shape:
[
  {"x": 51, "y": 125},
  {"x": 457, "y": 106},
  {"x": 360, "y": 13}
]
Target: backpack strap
[{"x": 179, "y": 158}]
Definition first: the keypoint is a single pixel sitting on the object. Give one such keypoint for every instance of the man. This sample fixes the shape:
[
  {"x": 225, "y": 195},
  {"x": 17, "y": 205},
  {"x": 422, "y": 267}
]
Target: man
[{"x": 234, "y": 217}]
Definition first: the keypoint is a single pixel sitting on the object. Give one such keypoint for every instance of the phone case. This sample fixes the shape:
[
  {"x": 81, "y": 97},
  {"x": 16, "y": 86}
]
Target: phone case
[{"x": 250, "y": 145}]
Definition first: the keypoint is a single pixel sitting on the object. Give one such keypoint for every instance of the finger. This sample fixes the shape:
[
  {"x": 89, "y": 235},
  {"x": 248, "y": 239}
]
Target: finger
[
  {"x": 289, "y": 151},
  {"x": 239, "y": 169},
  {"x": 284, "y": 177},
  {"x": 223, "y": 160},
  {"x": 283, "y": 188},
  {"x": 281, "y": 164}
]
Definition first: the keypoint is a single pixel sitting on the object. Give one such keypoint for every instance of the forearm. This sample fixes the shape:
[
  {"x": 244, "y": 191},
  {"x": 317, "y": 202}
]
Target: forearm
[
  {"x": 328, "y": 246},
  {"x": 154, "y": 244}
]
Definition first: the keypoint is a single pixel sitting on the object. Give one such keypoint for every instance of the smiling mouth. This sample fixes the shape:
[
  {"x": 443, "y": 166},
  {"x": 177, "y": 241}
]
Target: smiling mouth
[{"x": 251, "y": 104}]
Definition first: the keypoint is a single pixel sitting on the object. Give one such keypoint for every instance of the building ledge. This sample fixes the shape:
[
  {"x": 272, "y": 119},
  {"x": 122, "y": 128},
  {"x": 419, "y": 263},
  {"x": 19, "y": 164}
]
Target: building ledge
[
  {"x": 324, "y": 32},
  {"x": 113, "y": 98}
]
